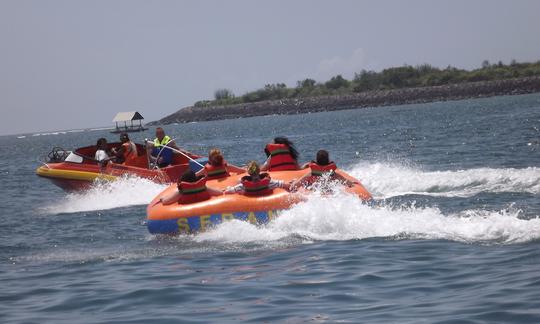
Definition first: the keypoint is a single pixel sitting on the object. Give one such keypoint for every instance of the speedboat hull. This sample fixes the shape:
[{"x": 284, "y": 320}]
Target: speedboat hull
[{"x": 77, "y": 171}]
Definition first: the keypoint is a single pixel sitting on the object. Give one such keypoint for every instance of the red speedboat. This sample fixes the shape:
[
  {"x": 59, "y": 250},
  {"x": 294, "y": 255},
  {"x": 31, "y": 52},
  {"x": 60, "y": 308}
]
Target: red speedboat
[{"x": 77, "y": 170}]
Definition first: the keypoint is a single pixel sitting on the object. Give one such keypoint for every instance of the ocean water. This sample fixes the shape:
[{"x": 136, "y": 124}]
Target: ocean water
[{"x": 454, "y": 236}]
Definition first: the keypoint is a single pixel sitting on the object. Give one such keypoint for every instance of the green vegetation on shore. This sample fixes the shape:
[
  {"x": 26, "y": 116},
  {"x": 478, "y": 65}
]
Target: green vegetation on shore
[{"x": 392, "y": 78}]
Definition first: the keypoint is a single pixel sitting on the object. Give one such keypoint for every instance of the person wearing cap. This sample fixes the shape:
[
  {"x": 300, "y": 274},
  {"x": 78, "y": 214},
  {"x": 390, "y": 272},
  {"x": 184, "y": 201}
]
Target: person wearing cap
[{"x": 160, "y": 148}]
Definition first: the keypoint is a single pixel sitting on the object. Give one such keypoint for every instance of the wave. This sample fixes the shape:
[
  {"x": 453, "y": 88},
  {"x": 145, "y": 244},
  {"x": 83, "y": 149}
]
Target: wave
[
  {"x": 104, "y": 195},
  {"x": 344, "y": 218},
  {"x": 386, "y": 180}
]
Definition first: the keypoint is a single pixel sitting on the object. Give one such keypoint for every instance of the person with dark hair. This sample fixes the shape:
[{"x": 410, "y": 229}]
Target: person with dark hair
[
  {"x": 217, "y": 167},
  {"x": 322, "y": 166},
  {"x": 160, "y": 148},
  {"x": 191, "y": 189},
  {"x": 127, "y": 153},
  {"x": 256, "y": 183},
  {"x": 101, "y": 155},
  {"x": 282, "y": 155}
]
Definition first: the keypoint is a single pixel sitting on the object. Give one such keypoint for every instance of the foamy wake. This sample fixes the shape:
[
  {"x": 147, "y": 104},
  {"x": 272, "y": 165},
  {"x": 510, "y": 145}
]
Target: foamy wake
[
  {"x": 387, "y": 180},
  {"x": 344, "y": 218},
  {"x": 123, "y": 192}
]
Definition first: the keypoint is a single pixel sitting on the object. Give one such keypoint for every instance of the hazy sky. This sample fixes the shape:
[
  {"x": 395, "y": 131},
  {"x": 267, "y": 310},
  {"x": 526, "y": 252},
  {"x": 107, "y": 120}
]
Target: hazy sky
[{"x": 74, "y": 64}]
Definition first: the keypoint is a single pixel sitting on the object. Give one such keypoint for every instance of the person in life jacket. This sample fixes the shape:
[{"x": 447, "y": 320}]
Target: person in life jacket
[
  {"x": 282, "y": 155},
  {"x": 160, "y": 149},
  {"x": 191, "y": 189},
  {"x": 217, "y": 167},
  {"x": 256, "y": 183},
  {"x": 127, "y": 153},
  {"x": 321, "y": 167}
]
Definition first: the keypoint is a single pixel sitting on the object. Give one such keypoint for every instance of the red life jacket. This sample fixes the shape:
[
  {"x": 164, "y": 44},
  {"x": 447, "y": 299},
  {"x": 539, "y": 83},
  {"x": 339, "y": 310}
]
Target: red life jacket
[
  {"x": 319, "y": 170},
  {"x": 281, "y": 158},
  {"x": 216, "y": 172},
  {"x": 257, "y": 188},
  {"x": 192, "y": 192}
]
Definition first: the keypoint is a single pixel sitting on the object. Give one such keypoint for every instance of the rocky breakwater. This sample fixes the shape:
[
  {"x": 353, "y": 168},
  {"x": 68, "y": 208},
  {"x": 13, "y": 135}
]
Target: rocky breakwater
[{"x": 373, "y": 98}]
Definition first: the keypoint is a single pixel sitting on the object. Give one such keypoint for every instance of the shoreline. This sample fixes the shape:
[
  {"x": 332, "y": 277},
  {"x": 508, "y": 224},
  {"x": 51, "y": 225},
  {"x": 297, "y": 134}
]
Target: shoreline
[{"x": 374, "y": 98}]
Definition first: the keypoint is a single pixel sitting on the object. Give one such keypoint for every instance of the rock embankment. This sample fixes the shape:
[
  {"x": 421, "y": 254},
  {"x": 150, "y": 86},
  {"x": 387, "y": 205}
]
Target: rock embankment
[{"x": 360, "y": 100}]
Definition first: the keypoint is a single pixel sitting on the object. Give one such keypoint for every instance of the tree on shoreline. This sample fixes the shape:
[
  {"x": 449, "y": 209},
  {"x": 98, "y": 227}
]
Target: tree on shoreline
[{"x": 405, "y": 76}]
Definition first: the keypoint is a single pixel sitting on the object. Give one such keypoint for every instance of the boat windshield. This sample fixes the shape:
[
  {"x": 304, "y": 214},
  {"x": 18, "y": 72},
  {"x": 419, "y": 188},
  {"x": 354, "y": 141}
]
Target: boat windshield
[{"x": 74, "y": 158}]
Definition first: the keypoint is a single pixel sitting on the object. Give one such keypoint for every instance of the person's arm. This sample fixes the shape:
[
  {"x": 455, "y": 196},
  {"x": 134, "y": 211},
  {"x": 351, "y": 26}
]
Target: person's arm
[
  {"x": 279, "y": 184},
  {"x": 170, "y": 198},
  {"x": 305, "y": 165},
  {"x": 214, "y": 192},
  {"x": 200, "y": 173},
  {"x": 234, "y": 189},
  {"x": 235, "y": 169},
  {"x": 266, "y": 165},
  {"x": 173, "y": 145},
  {"x": 300, "y": 182}
]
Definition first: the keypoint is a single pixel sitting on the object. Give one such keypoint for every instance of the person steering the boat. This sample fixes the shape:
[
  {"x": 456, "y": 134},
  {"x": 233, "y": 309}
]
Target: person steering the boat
[
  {"x": 321, "y": 167},
  {"x": 282, "y": 155},
  {"x": 217, "y": 167},
  {"x": 256, "y": 183},
  {"x": 191, "y": 189},
  {"x": 127, "y": 153},
  {"x": 159, "y": 150}
]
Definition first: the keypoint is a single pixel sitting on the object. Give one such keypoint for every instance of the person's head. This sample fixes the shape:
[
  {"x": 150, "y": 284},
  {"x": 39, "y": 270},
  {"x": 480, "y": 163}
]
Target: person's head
[
  {"x": 215, "y": 158},
  {"x": 160, "y": 133},
  {"x": 285, "y": 140},
  {"x": 253, "y": 169},
  {"x": 188, "y": 176},
  {"x": 322, "y": 157},
  {"x": 101, "y": 143},
  {"x": 124, "y": 137}
]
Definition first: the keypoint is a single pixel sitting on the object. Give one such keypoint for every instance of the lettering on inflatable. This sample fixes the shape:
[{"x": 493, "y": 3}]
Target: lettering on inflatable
[
  {"x": 204, "y": 222},
  {"x": 252, "y": 219},
  {"x": 183, "y": 225},
  {"x": 227, "y": 217}
]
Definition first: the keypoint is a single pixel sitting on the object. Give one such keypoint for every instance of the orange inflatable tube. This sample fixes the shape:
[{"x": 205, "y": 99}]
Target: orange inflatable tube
[{"x": 189, "y": 218}]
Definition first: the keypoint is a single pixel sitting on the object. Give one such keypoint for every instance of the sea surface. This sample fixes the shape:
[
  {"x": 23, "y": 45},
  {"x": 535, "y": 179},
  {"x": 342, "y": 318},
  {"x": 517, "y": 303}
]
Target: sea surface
[{"x": 453, "y": 238}]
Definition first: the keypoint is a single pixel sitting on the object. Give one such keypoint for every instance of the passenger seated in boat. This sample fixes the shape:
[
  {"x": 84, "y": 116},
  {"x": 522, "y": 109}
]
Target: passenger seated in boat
[
  {"x": 217, "y": 167},
  {"x": 282, "y": 155},
  {"x": 322, "y": 166},
  {"x": 161, "y": 147},
  {"x": 191, "y": 189},
  {"x": 101, "y": 156},
  {"x": 127, "y": 153},
  {"x": 256, "y": 183}
]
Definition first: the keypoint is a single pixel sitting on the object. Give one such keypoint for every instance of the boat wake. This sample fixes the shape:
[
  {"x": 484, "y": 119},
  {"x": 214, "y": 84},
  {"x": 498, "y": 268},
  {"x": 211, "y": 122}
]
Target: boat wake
[
  {"x": 127, "y": 191},
  {"x": 387, "y": 180},
  {"x": 342, "y": 217}
]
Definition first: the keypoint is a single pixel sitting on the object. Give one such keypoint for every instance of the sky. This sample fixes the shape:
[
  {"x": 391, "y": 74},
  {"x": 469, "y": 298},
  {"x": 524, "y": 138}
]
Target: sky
[{"x": 75, "y": 64}]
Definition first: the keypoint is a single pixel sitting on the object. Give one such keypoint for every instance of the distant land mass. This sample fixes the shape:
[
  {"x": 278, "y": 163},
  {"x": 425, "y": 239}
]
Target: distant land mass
[{"x": 393, "y": 86}]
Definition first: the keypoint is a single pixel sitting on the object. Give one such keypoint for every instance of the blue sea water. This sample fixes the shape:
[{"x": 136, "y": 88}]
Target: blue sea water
[{"x": 455, "y": 236}]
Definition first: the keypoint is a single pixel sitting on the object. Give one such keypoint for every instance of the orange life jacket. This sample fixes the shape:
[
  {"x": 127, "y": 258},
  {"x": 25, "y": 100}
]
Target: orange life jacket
[
  {"x": 192, "y": 192},
  {"x": 216, "y": 172},
  {"x": 281, "y": 158},
  {"x": 257, "y": 188},
  {"x": 130, "y": 153}
]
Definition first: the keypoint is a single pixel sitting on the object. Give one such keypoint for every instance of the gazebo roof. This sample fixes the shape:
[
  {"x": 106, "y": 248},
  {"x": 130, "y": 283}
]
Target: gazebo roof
[{"x": 127, "y": 116}]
